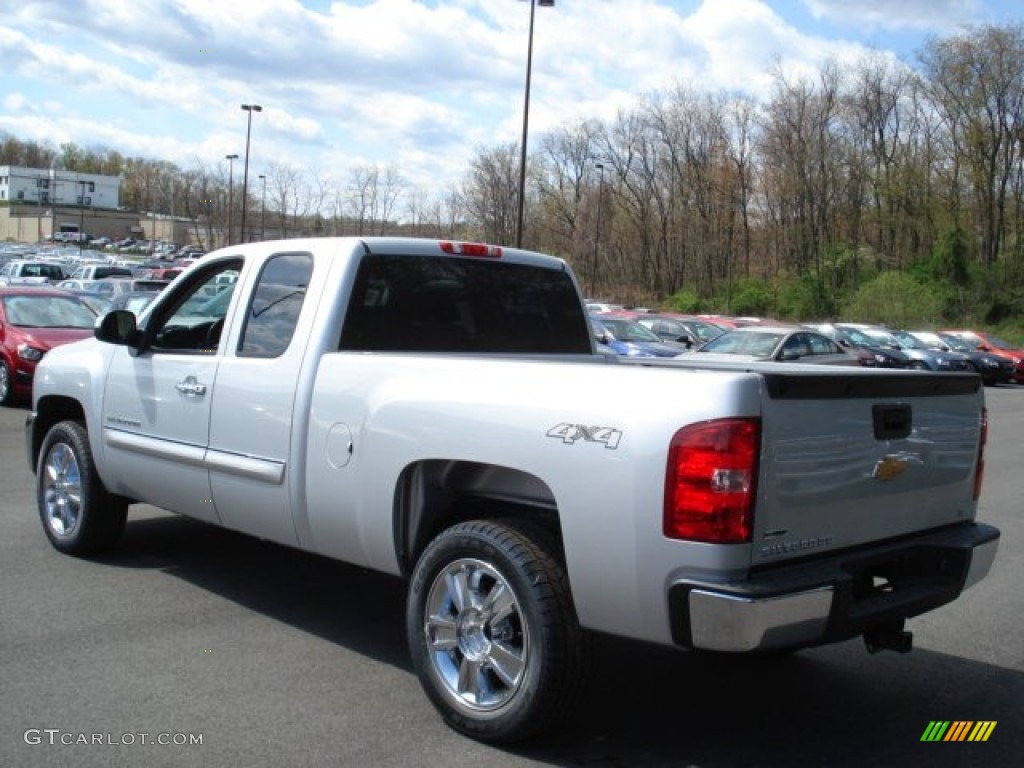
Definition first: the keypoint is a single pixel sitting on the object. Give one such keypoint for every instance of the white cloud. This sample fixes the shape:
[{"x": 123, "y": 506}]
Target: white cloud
[
  {"x": 892, "y": 15},
  {"x": 17, "y": 102},
  {"x": 421, "y": 82}
]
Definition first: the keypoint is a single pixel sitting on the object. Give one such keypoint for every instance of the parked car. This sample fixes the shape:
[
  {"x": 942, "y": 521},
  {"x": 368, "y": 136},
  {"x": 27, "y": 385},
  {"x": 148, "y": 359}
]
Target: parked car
[
  {"x": 116, "y": 286},
  {"x": 163, "y": 273},
  {"x": 39, "y": 272},
  {"x": 98, "y": 304},
  {"x": 601, "y": 306},
  {"x": 993, "y": 369},
  {"x": 75, "y": 284},
  {"x": 690, "y": 331},
  {"x": 921, "y": 356},
  {"x": 637, "y": 336},
  {"x": 869, "y": 351},
  {"x": 988, "y": 342},
  {"x": 34, "y": 320},
  {"x": 100, "y": 272},
  {"x": 608, "y": 344},
  {"x": 776, "y": 343},
  {"x": 133, "y": 301}
]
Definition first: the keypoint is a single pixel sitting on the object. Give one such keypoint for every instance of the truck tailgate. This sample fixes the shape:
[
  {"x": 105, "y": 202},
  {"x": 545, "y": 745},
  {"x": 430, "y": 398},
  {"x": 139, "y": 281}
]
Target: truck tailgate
[{"x": 853, "y": 459}]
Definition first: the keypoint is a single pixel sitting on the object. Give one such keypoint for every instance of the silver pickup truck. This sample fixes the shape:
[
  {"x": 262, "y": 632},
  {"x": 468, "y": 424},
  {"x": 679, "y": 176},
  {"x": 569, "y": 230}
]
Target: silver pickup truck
[{"x": 437, "y": 410}]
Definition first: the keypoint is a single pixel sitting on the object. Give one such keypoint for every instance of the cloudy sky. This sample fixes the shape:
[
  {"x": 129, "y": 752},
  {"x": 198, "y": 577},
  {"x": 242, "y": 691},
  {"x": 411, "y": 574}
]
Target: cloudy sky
[{"x": 417, "y": 84}]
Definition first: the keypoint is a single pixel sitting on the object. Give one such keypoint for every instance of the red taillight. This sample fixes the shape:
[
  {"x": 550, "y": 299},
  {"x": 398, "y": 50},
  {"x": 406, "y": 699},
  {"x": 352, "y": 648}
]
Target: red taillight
[
  {"x": 471, "y": 249},
  {"x": 711, "y": 481},
  {"x": 979, "y": 469}
]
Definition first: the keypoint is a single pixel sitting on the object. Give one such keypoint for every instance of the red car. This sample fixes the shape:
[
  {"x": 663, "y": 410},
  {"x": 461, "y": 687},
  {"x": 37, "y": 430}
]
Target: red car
[
  {"x": 164, "y": 273},
  {"x": 32, "y": 322},
  {"x": 987, "y": 342}
]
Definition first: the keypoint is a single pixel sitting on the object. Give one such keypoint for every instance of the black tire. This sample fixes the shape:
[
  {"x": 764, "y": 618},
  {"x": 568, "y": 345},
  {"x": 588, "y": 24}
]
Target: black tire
[
  {"x": 512, "y": 660},
  {"x": 6, "y": 385},
  {"x": 79, "y": 516}
]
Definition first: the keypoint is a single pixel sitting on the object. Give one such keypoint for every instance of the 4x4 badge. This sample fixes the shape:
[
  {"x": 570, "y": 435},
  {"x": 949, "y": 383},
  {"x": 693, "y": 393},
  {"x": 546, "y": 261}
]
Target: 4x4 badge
[{"x": 570, "y": 433}]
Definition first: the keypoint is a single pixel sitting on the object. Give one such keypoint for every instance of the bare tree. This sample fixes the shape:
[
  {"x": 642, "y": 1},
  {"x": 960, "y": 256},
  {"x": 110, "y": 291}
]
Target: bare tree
[
  {"x": 489, "y": 193},
  {"x": 567, "y": 193},
  {"x": 283, "y": 188}
]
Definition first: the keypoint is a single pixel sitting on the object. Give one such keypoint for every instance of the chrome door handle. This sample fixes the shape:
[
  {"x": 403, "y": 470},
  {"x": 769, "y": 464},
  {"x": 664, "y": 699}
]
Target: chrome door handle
[{"x": 190, "y": 387}]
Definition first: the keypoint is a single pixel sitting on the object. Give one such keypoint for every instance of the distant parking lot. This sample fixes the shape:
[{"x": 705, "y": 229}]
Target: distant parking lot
[{"x": 273, "y": 657}]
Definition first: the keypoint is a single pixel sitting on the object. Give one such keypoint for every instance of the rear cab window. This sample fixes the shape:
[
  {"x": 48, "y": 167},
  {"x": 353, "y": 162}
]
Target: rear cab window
[{"x": 444, "y": 304}]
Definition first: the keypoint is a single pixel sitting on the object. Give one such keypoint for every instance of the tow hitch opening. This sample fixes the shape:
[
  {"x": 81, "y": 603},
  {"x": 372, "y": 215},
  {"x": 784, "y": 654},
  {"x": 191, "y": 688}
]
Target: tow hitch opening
[{"x": 889, "y": 637}]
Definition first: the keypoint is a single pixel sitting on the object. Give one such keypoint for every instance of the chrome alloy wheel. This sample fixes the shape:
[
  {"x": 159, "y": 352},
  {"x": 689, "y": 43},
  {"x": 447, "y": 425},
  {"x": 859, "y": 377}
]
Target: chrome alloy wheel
[
  {"x": 62, "y": 490},
  {"x": 478, "y": 642},
  {"x": 5, "y": 383}
]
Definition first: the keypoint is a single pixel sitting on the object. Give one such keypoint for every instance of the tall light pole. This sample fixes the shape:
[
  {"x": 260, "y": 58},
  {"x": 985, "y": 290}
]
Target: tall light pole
[
  {"x": 231, "y": 166},
  {"x": 526, "y": 121},
  {"x": 263, "y": 210},
  {"x": 597, "y": 229},
  {"x": 81, "y": 217},
  {"x": 53, "y": 201},
  {"x": 250, "y": 108}
]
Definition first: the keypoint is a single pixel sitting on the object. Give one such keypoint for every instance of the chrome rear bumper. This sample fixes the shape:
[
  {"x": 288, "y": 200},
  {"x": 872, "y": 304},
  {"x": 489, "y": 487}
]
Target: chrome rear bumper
[{"x": 833, "y": 598}]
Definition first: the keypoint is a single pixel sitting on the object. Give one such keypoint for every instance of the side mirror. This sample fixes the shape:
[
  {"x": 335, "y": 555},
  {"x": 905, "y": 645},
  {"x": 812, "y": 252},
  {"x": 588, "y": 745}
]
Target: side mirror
[
  {"x": 686, "y": 339},
  {"x": 789, "y": 356},
  {"x": 602, "y": 337},
  {"x": 118, "y": 327}
]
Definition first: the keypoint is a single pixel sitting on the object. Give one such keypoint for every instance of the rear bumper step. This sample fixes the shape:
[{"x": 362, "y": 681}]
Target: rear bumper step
[{"x": 833, "y": 598}]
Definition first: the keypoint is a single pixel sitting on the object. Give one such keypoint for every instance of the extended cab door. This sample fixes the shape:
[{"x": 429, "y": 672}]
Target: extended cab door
[
  {"x": 253, "y": 436},
  {"x": 156, "y": 403}
]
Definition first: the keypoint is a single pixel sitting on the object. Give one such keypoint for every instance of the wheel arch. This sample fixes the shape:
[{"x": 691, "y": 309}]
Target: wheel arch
[
  {"x": 434, "y": 494},
  {"x": 51, "y": 410}
]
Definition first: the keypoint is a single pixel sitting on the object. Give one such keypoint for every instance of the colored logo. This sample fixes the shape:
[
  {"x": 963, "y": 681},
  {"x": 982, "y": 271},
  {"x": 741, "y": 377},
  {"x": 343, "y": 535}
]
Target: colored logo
[
  {"x": 958, "y": 730},
  {"x": 889, "y": 468}
]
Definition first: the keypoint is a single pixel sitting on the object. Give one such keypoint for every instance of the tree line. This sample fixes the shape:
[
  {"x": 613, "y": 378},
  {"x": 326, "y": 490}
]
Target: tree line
[{"x": 878, "y": 187}]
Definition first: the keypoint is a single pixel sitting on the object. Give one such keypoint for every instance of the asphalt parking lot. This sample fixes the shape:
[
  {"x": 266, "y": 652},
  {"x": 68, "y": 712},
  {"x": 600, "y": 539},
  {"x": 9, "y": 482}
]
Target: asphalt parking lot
[{"x": 271, "y": 657}]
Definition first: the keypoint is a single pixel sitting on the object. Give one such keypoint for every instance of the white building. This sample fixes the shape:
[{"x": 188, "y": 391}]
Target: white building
[{"x": 49, "y": 186}]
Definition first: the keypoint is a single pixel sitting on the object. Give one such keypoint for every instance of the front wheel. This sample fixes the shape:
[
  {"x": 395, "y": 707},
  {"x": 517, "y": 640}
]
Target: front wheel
[
  {"x": 79, "y": 516},
  {"x": 6, "y": 385},
  {"x": 493, "y": 633}
]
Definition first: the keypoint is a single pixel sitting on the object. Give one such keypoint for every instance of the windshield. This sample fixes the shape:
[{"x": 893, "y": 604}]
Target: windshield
[
  {"x": 883, "y": 337},
  {"x": 45, "y": 311},
  {"x": 627, "y": 330},
  {"x": 907, "y": 341},
  {"x": 855, "y": 336},
  {"x": 955, "y": 343},
  {"x": 754, "y": 343}
]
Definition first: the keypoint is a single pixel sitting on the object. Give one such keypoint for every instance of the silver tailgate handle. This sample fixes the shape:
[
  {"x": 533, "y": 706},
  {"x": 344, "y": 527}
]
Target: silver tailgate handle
[{"x": 190, "y": 387}]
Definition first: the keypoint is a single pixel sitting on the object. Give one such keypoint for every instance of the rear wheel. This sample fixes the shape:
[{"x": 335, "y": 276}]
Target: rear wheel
[
  {"x": 493, "y": 633},
  {"x": 79, "y": 516}
]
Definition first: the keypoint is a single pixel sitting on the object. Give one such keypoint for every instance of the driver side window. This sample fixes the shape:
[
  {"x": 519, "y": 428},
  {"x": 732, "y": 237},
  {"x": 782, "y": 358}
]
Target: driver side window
[{"x": 194, "y": 321}]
